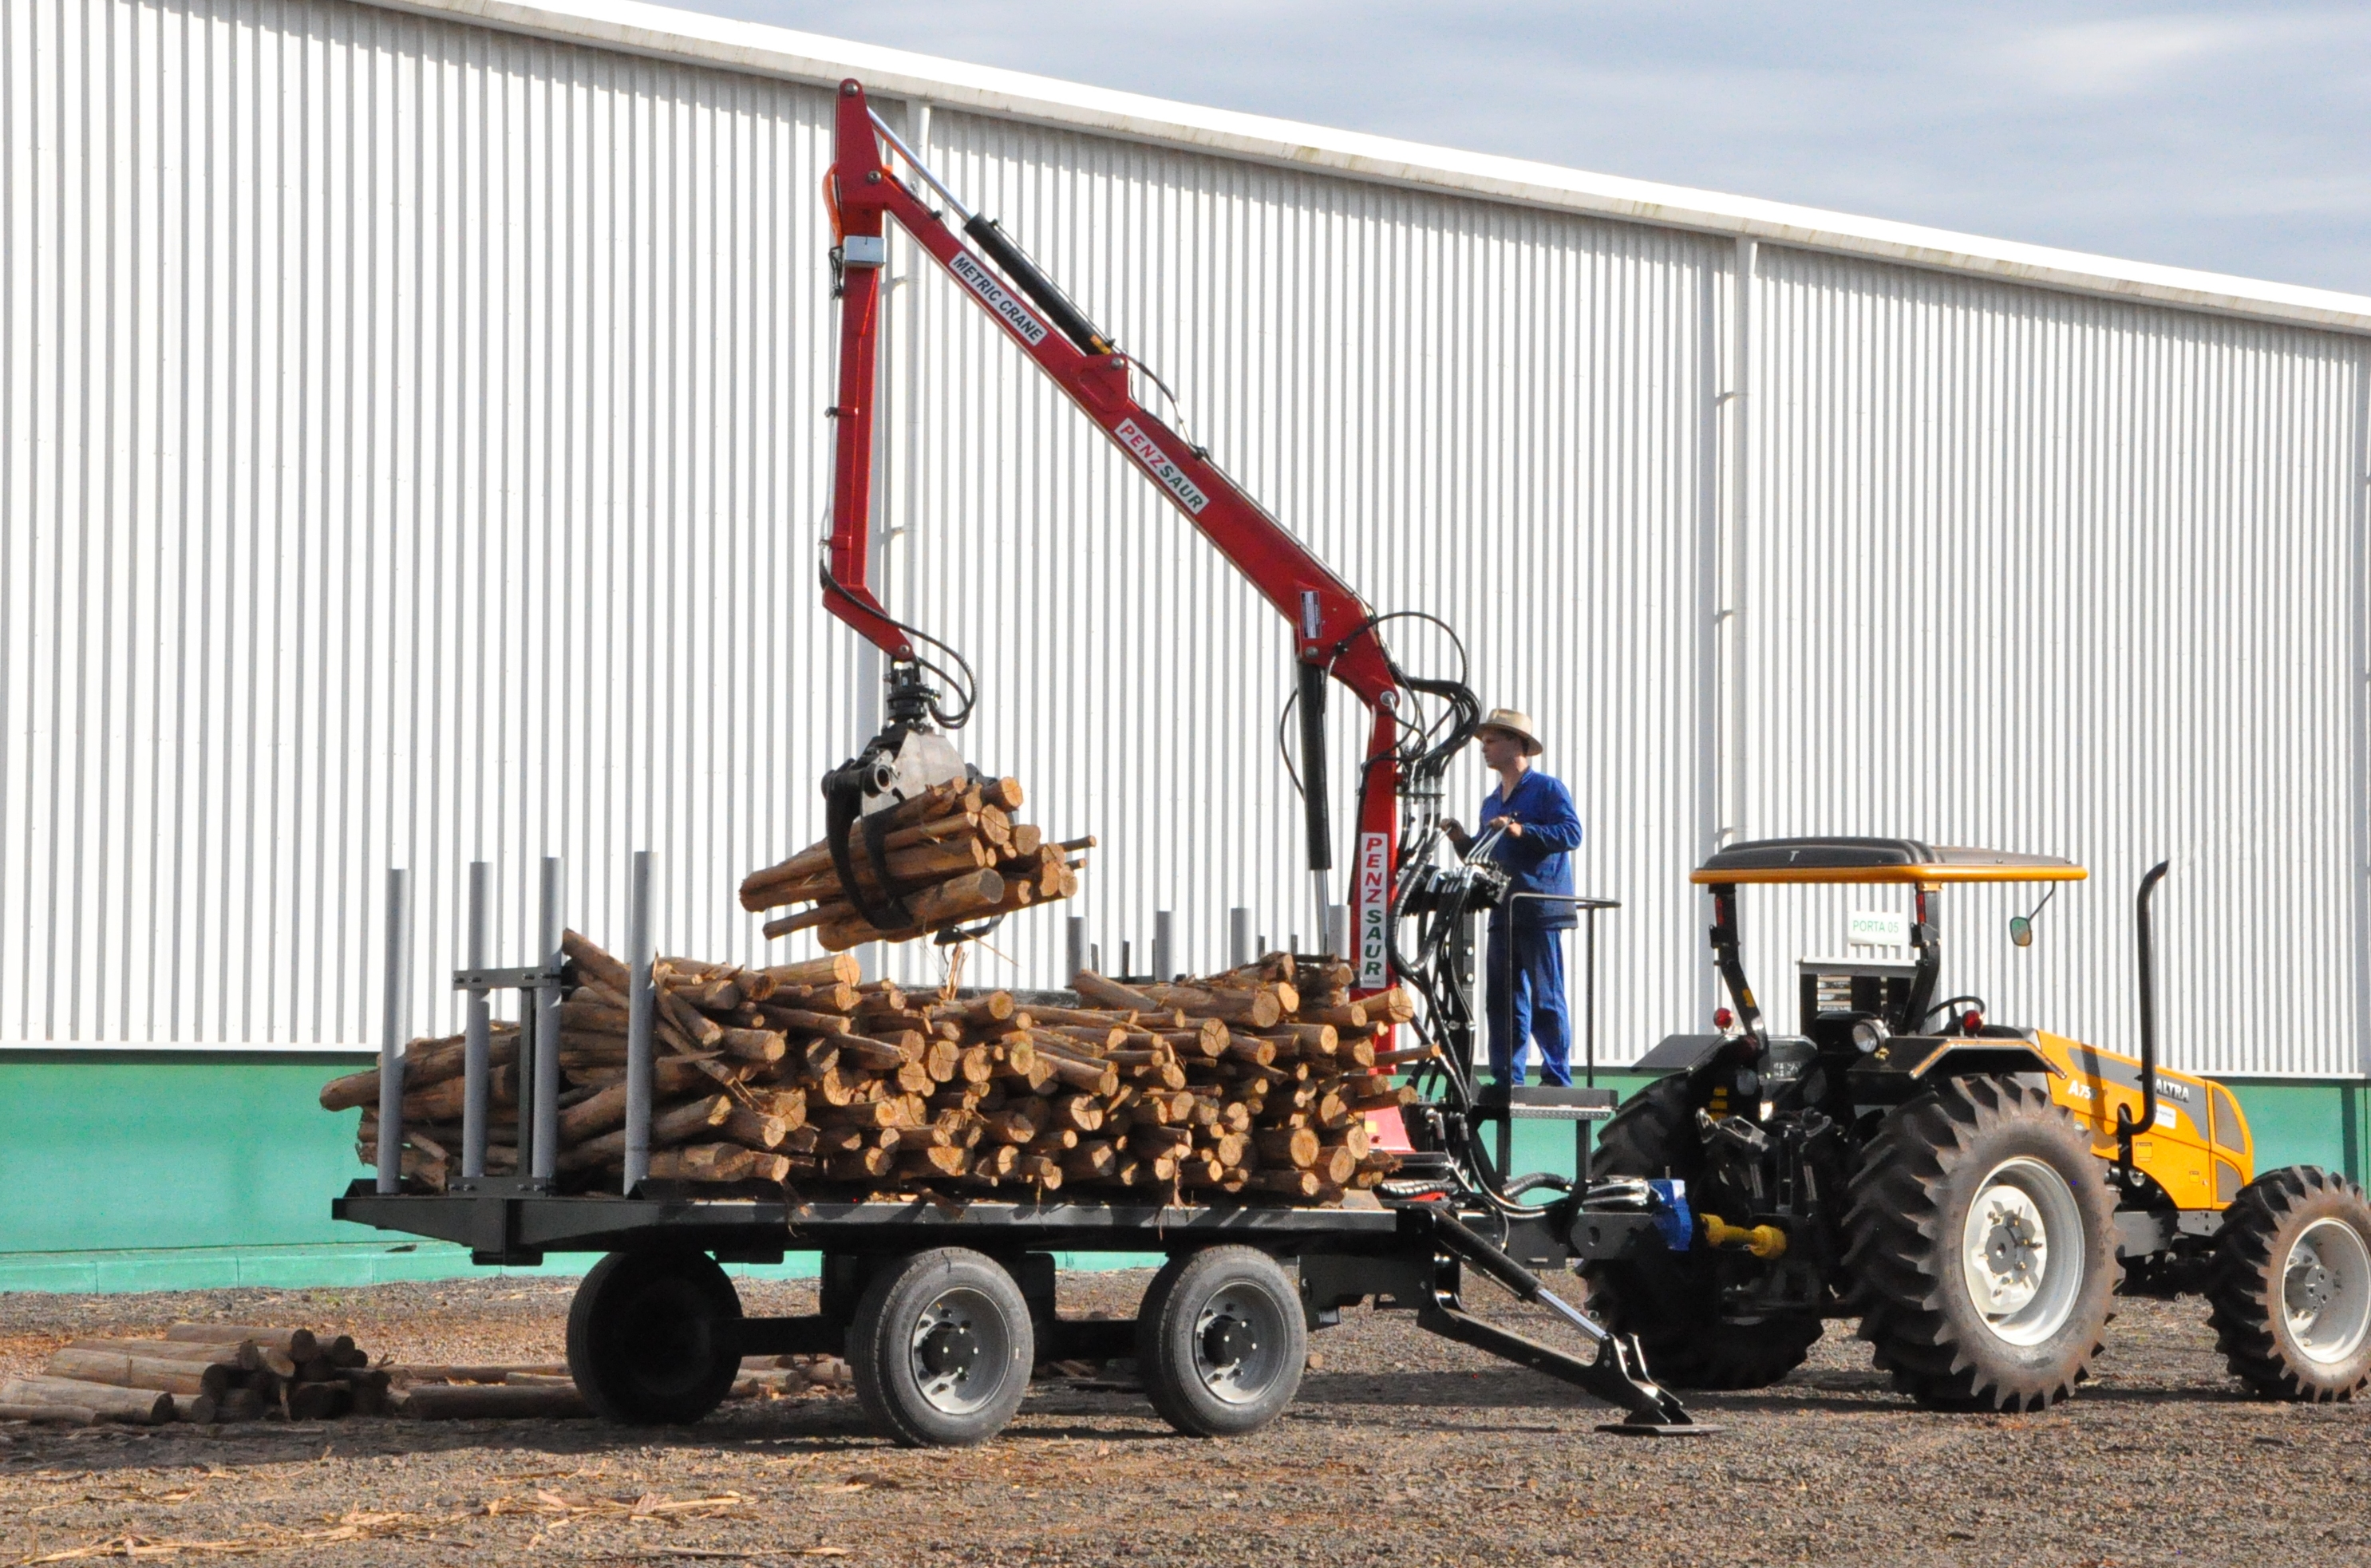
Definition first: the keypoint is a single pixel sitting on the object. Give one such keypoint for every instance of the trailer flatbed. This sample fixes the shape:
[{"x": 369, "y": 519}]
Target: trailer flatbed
[{"x": 943, "y": 1306}]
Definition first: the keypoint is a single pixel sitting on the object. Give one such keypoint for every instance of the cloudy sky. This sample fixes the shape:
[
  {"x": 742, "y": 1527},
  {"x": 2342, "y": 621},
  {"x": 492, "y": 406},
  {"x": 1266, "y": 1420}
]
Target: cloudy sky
[{"x": 2231, "y": 138}]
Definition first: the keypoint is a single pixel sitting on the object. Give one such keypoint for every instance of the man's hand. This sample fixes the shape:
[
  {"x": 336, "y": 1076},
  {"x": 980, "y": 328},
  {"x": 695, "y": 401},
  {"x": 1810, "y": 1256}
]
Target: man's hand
[
  {"x": 1514, "y": 829},
  {"x": 1456, "y": 832}
]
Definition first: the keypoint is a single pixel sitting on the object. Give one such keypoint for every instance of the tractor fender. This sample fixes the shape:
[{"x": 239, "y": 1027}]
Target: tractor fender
[{"x": 1914, "y": 1058}]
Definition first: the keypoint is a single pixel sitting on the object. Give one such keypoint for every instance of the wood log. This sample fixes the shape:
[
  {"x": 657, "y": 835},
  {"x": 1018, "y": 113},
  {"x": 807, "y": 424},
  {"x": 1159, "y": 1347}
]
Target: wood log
[
  {"x": 1291, "y": 1183},
  {"x": 863, "y": 1165},
  {"x": 1260, "y": 1009},
  {"x": 1080, "y": 1112},
  {"x": 593, "y": 963},
  {"x": 298, "y": 1345},
  {"x": 1334, "y": 1165},
  {"x": 142, "y": 1407},
  {"x": 815, "y": 859},
  {"x": 1352, "y": 1015},
  {"x": 754, "y": 1129},
  {"x": 753, "y": 1045},
  {"x": 674, "y": 1125},
  {"x": 54, "y": 1414},
  {"x": 919, "y": 863},
  {"x": 1092, "y": 1160},
  {"x": 696, "y": 1026},
  {"x": 241, "y": 1357},
  {"x": 462, "y": 1401},
  {"x": 949, "y": 1160},
  {"x": 938, "y": 904},
  {"x": 1043, "y": 1169},
  {"x": 1294, "y": 1147},
  {"x": 425, "y": 1062},
  {"x": 1394, "y": 1005},
  {"x": 170, "y": 1375},
  {"x": 1018, "y": 1124},
  {"x": 1105, "y": 993},
  {"x": 703, "y": 1162},
  {"x": 838, "y": 969}
]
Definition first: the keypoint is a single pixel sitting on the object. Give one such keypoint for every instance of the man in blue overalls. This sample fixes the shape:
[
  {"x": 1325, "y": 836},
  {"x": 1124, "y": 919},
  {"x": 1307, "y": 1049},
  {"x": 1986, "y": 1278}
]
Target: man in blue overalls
[{"x": 1526, "y": 934}]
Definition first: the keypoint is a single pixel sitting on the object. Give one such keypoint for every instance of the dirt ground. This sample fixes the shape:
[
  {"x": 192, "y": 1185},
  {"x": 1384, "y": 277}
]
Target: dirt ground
[{"x": 1402, "y": 1450}]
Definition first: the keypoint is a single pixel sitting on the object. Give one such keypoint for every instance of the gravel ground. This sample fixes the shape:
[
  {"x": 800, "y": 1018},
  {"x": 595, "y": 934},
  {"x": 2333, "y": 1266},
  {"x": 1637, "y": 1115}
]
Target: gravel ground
[{"x": 1402, "y": 1450}]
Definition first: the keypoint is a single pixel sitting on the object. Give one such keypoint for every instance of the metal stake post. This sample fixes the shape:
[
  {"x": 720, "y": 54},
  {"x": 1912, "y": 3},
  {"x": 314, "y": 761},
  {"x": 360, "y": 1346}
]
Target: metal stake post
[
  {"x": 547, "y": 1030},
  {"x": 1239, "y": 938},
  {"x": 1164, "y": 950},
  {"x": 477, "y": 1028},
  {"x": 1337, "y": 930},
  {"x": 391, "y": 1033},
  {"x": 1074, "y": 956},
  {"x": 643, "y": 1005}
]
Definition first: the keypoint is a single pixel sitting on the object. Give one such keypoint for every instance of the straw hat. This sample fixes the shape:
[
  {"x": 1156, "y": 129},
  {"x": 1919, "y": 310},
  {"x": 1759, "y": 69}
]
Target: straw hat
[{"x": 1516, "y": 723}]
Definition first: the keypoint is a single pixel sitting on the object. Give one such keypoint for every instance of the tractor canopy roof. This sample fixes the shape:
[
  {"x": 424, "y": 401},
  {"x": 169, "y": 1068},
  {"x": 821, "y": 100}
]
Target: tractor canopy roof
[{"x": 1897, "y": 861}]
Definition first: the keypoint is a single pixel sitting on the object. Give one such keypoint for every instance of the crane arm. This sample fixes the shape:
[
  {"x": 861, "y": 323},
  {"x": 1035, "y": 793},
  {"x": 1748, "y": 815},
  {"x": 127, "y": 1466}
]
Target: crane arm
[{"x": 1335, "y": 631}]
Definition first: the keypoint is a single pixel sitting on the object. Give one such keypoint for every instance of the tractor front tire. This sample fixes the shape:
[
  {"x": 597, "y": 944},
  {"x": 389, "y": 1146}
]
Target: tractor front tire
[
  {"x": 1671, "y": 1300},
  {"x": 2291, "y": 1287},
  {"x": 1982, "y": 1247}
]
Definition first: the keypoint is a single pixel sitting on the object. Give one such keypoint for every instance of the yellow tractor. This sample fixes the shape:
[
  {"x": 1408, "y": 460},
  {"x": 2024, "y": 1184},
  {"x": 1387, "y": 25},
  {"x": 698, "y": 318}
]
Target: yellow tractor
[{"x": 1966, "y": 1188}]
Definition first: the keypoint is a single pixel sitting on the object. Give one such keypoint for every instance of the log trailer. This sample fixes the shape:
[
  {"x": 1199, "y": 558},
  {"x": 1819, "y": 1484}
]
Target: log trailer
[{"x": 943, "y": 1309}]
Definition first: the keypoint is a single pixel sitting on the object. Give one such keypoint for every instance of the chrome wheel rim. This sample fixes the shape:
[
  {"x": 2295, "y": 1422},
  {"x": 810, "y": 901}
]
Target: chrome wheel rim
[
  {"x": 1239, "y": 1342},
  {"x": 958, "y": 1351},
  {"x": 2021, "y": 1251},
  {"x": 2326, "y": 1291}
]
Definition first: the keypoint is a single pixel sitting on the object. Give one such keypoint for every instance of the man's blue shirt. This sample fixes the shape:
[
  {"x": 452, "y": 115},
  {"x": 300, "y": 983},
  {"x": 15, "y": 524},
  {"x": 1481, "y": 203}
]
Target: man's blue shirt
[{"x": 1542, "y": 858}]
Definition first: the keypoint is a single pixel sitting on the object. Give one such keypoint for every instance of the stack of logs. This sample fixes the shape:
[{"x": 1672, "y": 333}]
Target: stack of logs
[
  {"x": 955, "y": 853},
  {"x": 202, "y": 1372},
  {"x": 1255, "y": 1083}
]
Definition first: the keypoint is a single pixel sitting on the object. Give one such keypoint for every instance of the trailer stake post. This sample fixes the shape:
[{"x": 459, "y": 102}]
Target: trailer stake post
[
  {"x": 391, "y": 1033},
  {"x": 477, "y": 1028},
  {"x": 546, "y": 1005},
  {"x": 1239, "y": 938},
  {"x": 642, "y": 1004}
]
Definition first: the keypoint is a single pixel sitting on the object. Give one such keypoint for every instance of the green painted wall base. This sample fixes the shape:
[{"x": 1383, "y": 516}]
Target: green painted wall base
[{"x": 204, "y": 1171}]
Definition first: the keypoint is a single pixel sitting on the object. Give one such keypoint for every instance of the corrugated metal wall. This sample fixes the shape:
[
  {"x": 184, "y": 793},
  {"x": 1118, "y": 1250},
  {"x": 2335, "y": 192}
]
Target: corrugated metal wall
[{"x": 413, "y": 452}]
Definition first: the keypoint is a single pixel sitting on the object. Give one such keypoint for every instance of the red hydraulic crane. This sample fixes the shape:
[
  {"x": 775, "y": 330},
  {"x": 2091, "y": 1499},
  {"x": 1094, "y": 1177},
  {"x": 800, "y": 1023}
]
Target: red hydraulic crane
[{"x": 1337, "y": 634}]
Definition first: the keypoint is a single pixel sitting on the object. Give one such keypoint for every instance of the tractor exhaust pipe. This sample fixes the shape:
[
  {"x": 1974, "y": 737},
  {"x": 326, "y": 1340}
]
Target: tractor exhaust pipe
[{"x": 2125, "y": 1125}]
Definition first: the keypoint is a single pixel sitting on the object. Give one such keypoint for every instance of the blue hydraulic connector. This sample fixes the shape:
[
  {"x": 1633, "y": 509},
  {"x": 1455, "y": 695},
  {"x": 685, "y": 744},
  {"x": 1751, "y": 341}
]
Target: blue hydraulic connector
[{"x": 1673, "y": 1218}]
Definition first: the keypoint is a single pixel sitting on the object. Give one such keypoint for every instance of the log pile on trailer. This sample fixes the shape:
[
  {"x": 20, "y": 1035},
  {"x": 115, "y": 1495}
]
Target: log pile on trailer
[
  {"x": 202, "y": 1372},
  {"x": 1254, "y": 1083},
  {"x": 954, "y": 852}
]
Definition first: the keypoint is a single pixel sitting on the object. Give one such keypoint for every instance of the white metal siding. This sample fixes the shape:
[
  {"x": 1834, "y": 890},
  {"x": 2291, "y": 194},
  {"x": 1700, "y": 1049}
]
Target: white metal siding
[{"x": 414, "y": 452}]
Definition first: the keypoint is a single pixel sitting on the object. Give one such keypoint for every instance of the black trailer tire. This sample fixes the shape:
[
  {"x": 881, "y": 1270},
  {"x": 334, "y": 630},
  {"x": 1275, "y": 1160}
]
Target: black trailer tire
[
  {"x": 1983, "y": 1246},
  {"x": 2291, "y": 1287},
  {"x": 1222, "y": 1342},
  {"x": 651, "y": 1336},
  {"x": 1671, "y": 1300},
  {"x": 940, "y": 1347}
]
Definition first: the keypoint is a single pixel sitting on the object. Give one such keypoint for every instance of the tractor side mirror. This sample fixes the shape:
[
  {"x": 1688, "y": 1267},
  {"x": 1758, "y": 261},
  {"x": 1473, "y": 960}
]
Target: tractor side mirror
[{"x": 2020, "y": 927}]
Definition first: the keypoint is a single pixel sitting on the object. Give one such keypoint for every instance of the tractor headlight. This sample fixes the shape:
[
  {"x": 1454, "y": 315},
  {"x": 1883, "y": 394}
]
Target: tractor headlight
[{"x": 1869, "y": 1034}]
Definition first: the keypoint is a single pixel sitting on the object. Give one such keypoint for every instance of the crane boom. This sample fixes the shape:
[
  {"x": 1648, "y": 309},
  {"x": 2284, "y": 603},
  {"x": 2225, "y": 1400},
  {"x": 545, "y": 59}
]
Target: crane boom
[{"x": 1335, "y": 631}]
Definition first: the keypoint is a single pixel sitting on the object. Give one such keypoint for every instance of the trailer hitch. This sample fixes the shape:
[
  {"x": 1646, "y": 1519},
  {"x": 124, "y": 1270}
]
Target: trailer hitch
[{"x": 1618, "y": 1373}]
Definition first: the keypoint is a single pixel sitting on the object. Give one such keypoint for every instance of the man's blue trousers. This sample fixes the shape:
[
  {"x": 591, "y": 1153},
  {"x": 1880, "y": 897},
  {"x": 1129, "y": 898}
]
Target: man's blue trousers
[{"x": 1531, "y": 1007}]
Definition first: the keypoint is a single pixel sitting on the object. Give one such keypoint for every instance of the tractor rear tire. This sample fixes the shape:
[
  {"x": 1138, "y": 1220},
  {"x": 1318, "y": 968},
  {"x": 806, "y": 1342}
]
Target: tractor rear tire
[
  {"x": 2291, "y": 1287},
  {"x": 1671, "y": 1300},
  {"x": 1982, "y": 1247}
]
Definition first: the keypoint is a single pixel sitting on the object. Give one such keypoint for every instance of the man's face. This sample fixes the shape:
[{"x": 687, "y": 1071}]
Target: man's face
[{"x": 1500, "y": 749}]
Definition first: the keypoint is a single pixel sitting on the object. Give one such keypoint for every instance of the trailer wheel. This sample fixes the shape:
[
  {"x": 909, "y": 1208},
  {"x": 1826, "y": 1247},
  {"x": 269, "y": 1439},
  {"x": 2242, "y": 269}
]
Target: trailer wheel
[
  {"x": 2291, "y": 1286},
  {"x": 940, "y": 1347},
  {"x": 652, "y": 1338},
  {"x": 1222, "y": 1342},
  {"x": 1671, "y": 1300},
  {"x": 1982, "y": 1247}
]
